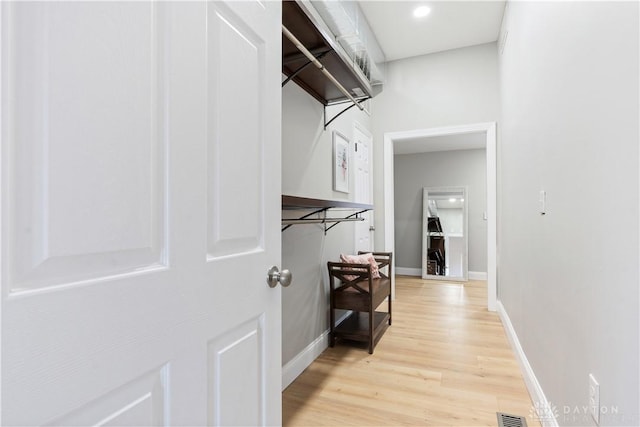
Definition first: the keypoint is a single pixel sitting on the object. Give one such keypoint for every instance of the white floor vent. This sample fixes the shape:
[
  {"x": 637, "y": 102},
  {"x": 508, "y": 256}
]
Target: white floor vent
[{"x": 506, "y": 420}]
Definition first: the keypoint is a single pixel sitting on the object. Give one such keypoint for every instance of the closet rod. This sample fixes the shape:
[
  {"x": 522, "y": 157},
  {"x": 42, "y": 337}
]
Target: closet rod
[
  {"x": 319, "y": 220},
  {"x": 318, "y": 64}
]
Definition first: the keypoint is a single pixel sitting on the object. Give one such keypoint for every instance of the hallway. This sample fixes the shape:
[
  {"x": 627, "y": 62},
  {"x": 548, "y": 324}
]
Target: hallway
[{"x": 445, "y": 361}]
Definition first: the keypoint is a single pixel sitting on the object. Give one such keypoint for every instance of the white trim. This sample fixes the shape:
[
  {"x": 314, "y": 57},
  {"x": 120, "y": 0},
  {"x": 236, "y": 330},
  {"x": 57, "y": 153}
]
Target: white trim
[
  {"x": 477, "y": 275},
  {"x": 363, "y": 129},
  {"x": 302, "y": 360},
  {"x": 389, "y": 216},
  {"x": 388, "y": 197},
  {"x": 492, "y": 218},
  {"x": 535, "y": 390},
  {"x": 2, "y": 126},
  {"x": 406, "y": 271}
]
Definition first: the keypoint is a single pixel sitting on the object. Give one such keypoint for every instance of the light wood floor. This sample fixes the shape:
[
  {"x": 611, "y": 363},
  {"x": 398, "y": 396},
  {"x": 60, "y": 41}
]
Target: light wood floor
[{"x": 445, "y": 361}]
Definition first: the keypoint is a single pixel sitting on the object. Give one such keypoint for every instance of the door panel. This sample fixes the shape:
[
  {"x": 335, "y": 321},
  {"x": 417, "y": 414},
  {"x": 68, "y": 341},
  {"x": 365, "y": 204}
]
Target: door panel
[
  {"x": 363, "y": 188},
  {"x": 235, "y": 367},
  {"x": 141, "y": 400},
  {"x": 138, "y": 217},
  {"x": 235, "y": 118},
  {"x": 72, "y": 116},
  {"x": 243, "y": 214}
]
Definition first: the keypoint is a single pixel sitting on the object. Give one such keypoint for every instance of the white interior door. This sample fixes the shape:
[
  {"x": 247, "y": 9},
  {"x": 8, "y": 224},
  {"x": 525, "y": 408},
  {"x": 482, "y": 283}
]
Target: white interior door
[
  {"x": 140, "y": 209},
  {"x": 363, "y": 188}
]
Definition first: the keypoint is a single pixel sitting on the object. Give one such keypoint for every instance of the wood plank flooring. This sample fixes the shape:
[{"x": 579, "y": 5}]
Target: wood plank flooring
[{"x": 445, "y": 361}]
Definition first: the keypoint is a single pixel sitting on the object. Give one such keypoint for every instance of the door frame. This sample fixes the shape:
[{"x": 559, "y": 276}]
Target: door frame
[{"x": 489, "y": 129}]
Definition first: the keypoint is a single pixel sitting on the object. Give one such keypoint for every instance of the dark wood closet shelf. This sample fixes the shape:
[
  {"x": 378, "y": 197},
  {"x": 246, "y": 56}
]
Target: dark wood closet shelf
[
  {"x": 295, "y": 202},
  {"x": 320, "y": 207},
  {"x": 312, "y": 33}
]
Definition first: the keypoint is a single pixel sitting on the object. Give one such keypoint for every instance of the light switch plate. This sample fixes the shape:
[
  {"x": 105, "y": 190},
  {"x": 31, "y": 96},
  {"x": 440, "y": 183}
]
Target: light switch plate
[{"x": 543, "y": 202}]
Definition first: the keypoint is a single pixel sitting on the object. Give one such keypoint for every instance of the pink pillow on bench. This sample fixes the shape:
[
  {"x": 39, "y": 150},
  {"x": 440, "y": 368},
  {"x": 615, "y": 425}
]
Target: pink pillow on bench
[{"x": 362, "y": 259}]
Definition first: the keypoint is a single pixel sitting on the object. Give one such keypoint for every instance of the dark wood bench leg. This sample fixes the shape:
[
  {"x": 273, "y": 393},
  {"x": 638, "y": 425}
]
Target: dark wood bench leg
[{"x": 371, "y": 317}]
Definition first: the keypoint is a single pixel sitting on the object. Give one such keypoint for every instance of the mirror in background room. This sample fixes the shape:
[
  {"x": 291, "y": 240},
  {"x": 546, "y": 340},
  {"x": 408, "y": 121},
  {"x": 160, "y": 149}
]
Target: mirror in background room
[{"x": 444, "y": 233}]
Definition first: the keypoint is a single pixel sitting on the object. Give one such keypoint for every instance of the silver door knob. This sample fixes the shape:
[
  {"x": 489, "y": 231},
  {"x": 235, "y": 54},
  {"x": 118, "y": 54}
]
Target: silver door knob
[{"x": 275, "y": 276}]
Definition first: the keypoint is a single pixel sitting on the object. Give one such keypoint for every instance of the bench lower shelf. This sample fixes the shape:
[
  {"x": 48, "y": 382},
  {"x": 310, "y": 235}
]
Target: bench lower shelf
[{"x": 356, "y": 327}]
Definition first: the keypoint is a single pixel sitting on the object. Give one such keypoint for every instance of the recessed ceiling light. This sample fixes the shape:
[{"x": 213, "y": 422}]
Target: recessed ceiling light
[
  {"x": 452, "y": 200},
  {"x": 421, "y": 11}
]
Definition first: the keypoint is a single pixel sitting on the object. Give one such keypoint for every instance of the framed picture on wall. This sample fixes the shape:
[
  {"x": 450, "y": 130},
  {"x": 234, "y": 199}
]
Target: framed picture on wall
[{"x": 341, "y": 162}]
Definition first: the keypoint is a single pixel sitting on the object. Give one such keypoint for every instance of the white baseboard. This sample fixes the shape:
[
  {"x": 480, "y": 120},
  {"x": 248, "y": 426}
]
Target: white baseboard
[
  {"x": 477, "y": 275},
  {"x": 299, "y": 363},
  {"x": 545, "y": 412},
  {"x": 302, "y": 360},
  {"x": 404, "y": 271}
]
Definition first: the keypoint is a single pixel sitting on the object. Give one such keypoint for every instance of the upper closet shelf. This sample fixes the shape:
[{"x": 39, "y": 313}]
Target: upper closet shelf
[
  {"x": 329, "y": 50},
  {"x": 320, "y": 207}
]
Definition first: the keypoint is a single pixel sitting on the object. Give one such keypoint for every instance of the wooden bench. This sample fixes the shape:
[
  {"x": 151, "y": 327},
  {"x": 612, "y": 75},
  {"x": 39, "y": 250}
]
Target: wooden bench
[{"x": 353, "y": 288}]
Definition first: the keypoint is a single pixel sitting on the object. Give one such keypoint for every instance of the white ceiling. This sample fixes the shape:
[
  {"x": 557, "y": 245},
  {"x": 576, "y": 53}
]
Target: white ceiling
[
  {"x": 451, "y": 24},
  {"x": 465, "y": 141}
]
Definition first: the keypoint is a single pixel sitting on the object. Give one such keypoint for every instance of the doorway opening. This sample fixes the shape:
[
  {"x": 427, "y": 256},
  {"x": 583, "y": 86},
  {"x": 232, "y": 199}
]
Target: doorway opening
[{"x": 392, "y": 140}]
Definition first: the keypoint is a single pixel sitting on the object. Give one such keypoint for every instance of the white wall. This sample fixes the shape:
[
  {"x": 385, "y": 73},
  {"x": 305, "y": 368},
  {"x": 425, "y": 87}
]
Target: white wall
[
  {"x": 450, "y": 88},
  {"x": 461, "y": 168},
  {"x": 570, "y": 126},
  {"x": 452, "y": 221},
  {"x": 307, "y": 172}
]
